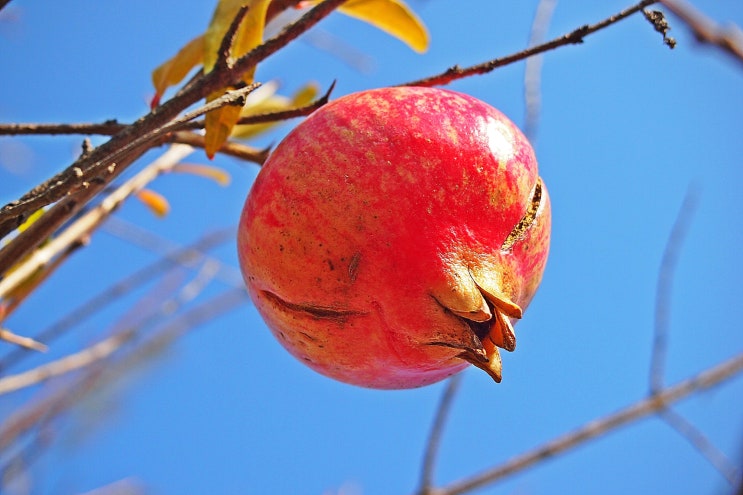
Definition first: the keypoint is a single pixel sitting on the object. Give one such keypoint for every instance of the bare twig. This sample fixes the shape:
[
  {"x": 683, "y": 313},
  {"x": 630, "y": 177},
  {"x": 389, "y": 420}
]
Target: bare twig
[
  {"x": 67, "y": 364},
  {"x": 728, "y": 39},
  {"x": 664, "y": 288},
  {"x": 224, "y": 58},
  {"x": 111, "y": 127},
  {"x": 533, "y": 68},
  {"x": 21, "y": 341},
  {"x": 572, "y": 38},
  {"x": 650, "y": 405},
  {"x": 701, "y": 444},
  {"x": 175, "y": 255},
  {"x": 107, "y": 128},
  {"x": 127, "y": 486},
  {"x": 288, "y": 114},
  {"x": 434, "y": 439},
  {"x": 39, "y": 412},
  {"x": 229, "y": 148}
]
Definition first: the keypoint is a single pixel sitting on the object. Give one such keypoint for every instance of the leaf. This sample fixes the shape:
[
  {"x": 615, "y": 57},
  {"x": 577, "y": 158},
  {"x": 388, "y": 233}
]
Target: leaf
[
  {"x": 219, "y": 123},
  {"x": 220, "y": 176},
  {"x": 267, "y": 101},
  {"x": 393, "y": 17},
  {"x": 156, "y": 202},
  {"x": 174, "y": 70}
]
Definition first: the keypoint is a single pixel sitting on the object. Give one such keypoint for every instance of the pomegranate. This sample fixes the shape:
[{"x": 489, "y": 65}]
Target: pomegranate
[{"x": 395, "y": 235}]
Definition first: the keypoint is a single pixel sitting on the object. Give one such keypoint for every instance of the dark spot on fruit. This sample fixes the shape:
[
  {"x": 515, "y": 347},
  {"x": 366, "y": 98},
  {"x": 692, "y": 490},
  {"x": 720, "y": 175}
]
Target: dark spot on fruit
[{"x": 353, "y": 266}]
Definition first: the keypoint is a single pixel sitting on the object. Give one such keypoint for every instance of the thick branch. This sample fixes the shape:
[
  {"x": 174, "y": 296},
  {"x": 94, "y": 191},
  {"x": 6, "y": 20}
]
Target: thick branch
[
  {"x": 94, "y": 165},
  {"x": 86, "y": 223}
]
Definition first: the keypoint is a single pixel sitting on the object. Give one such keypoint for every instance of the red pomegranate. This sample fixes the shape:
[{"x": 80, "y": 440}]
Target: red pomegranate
[{"x": 393, "y": 237}]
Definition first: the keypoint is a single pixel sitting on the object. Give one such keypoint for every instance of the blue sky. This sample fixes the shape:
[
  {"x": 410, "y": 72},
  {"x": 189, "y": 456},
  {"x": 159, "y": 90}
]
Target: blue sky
[{"x": 626, "y": 127}]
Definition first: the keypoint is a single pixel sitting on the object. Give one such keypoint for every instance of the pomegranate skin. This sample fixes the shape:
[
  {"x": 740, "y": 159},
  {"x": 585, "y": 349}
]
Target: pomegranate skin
[{"x": 394, "y": 236}]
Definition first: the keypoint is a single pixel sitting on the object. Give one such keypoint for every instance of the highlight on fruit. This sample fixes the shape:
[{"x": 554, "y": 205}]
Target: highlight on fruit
[{"x": 395, "y": 236}]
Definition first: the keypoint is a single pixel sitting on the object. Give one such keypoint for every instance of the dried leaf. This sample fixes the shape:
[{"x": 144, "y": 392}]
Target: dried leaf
[
  {"x": 393, "y": 17},
  {"x": 270, "y": 102},
  {"x": 174, "y": 70},
  {"x": 156, "y": 202},
  {"x": 219, "y": 175},
  {"x": 219, "y": 123}
]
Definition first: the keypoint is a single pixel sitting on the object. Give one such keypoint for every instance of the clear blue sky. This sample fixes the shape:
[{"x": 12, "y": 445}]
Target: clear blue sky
[{"x": 627, "y": 125}]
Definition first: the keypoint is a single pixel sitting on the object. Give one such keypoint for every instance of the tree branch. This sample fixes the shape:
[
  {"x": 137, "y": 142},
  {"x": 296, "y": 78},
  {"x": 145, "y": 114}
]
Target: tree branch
[
  {"x": 650, "y": 405},
  {"x": 729, "y": 39},
  {"x": 434, "y": 439},
  {"x": 94, "y": 165},
  {"x": 86, "y": 223},
  {"x": 533, "y": 69},
  {"x": 664, "y": 288},
  {"x": 574, "y": 37},
  {"x": 701, "y": 444}
]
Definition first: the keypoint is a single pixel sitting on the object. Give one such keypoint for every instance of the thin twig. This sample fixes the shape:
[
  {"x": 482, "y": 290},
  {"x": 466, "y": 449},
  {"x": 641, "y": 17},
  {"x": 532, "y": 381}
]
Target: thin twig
[
  {"x": 288, "y": 34},
  {"x": 701, "y": 444},
  {"x": 664, "y": 288},
  {"x": 572, "y": 38},
  {"x": 127, "y": 486},
  {"x": 229, "y": 148},
  {"x": 224, "y": 58},
  {"x": 39, "y": 412},
  {"x": 650, "y": 405},
  {"x": 107, "y": 128},
  {"x": 186, "y": 256},
  {"x": 67, "y": 364},
  {"x": 434, "y": 439},
  {"x": 289, "y": 113},
  {"x": 729, "y": 39},
  {"x": 533, "y": 69},
  {"x": 111, "y": 127},
  {"x": 21, "y": 341}
]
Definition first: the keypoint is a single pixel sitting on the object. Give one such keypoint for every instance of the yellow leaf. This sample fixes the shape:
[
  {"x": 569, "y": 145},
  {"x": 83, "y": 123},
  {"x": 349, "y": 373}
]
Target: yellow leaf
[
  {"x": 273, "y": 103},
  {"x": 154, "y": 201},
  {"x": 248, "y": 36},
  {"x": 219, "y": 123},
  {"x": 174, "y": 70},
  {"x": 220, "y": 176},
  {"x": 393, "y": 17}
]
